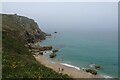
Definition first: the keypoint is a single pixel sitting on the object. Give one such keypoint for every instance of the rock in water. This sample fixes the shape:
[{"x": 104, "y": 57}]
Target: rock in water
[
  {"x": 97, "y": 67},
  {"x": 55, "y": 50},
  {"x": 55, "y": 32}
]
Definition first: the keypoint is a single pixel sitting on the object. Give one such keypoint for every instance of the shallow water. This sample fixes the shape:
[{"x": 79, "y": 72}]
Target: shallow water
[{"x": 84, "y": 49}]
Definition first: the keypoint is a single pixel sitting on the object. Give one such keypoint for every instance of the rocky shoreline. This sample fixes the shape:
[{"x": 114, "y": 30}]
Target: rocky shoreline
[
  {"x": 38, "y": 50},
  {"x": 30, "y": 35}
]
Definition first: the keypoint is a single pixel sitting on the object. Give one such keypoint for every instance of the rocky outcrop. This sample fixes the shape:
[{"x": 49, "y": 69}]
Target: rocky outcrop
[
  {"x": 97, "y": 67},
  {"x": 92, "y": 71},
  {"x": 27, "y": 29},
  {"x": 55, "y": 50},
  {"x": 44, "y": 48},
  {"x": 52, "y": 55}
]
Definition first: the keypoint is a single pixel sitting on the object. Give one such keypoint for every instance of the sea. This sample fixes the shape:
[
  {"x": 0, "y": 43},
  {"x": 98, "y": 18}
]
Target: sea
[{"x": 83, "y": 49}]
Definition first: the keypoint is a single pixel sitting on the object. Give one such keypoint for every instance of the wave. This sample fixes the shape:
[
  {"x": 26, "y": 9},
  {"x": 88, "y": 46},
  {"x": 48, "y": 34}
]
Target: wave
[
  {"x": 72, "y": 66},
  {"x": 75, "y": 67},
  {"x": 92, "y": 65},
  {"x": 106, "y": 76}
]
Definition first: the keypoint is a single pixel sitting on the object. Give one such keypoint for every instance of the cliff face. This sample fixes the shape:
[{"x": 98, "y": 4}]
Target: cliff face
[
  {"x": 24, "y": 28},
  {"x": 17, "y": 60}
]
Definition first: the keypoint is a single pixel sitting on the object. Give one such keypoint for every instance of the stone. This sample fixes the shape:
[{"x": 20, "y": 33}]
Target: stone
[
  {"x": 55, "y": 50},
  {"x": 97, "y": 67},
  {"x": 52, "y": 55},
  {"x": 55, "y": 32},
  {"x": 41, "y": 53},
  {"x": 92, "y": 71},
  {"x": 45, "y": 48}
]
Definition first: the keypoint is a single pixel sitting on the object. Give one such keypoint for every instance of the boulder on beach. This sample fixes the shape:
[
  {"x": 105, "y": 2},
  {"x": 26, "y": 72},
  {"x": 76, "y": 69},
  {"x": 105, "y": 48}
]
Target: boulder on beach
[
  {"x": 52, "y": 55},
  {"x": 92, "y": 71},
  {"x": 41, "y": 53}
]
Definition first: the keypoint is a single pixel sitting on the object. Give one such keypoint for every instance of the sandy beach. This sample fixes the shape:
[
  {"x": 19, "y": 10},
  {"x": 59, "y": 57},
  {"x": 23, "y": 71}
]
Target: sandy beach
[{"x": 56, "y": 66}]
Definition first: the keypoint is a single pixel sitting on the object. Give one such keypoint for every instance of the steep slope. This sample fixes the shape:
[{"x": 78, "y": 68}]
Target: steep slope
[
  {"x": 24, "y": 27},
  {"x": 17, "y": 61}
]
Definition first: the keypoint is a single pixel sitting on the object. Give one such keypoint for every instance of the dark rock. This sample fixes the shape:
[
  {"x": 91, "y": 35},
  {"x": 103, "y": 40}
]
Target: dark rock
[
  {"x": 97, "y": 67},
  {"x": 92, "y": 71},
  {"x": 24, "y": 28},
  {"x": 45, "y": 48},
  {"x": 41, "y": 53},
  {"x": 55, "y": 32},
  {"x": 55, "y": 50},
  {"x": 52, "y": 55},
  {"x": 48, "y": 34}
]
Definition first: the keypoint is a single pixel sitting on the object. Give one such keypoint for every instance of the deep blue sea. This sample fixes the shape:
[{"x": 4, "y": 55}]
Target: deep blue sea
[{"x": 82, "y": 48}]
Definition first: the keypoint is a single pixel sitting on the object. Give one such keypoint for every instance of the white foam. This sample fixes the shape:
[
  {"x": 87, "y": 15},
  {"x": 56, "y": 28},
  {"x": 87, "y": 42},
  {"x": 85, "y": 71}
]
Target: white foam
[
  {"x": 106, "y": 76},
  {"x": 52, "y": 62},
  {"x": 92, "y": 65},
  {"x": 47, "y": 52},
  {"x": 70, "y": 66}
]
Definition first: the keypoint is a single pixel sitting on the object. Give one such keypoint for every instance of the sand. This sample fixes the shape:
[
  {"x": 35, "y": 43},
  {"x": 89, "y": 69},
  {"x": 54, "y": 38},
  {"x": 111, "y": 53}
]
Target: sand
[{"x": 72, "y": 72}]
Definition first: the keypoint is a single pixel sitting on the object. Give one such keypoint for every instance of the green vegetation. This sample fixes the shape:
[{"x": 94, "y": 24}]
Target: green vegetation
[{"x": 17, "y": 61}]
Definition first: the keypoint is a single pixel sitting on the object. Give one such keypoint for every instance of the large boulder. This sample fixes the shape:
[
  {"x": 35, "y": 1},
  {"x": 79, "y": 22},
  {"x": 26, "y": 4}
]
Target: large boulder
[
  {"x": 41, "y": 53},
  {"x": 55, "y": 50},
  {"x": 55, "y": 32},
  {"x": 92, "y": 71},
  {"x": 52, "y": 55},
  {"x": 97, "y": 67}
]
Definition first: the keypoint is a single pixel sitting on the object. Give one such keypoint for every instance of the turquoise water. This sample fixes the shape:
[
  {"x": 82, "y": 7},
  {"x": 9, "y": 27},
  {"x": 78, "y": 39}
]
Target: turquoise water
[{"x": 82, "y": 48}]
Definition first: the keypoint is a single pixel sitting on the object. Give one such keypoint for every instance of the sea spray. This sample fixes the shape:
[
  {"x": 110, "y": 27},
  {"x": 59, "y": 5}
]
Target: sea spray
[{"x": 106, "y": 76}]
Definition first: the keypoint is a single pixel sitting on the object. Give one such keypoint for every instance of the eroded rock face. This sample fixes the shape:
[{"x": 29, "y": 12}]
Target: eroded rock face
[{"x": 27, "y": 29}]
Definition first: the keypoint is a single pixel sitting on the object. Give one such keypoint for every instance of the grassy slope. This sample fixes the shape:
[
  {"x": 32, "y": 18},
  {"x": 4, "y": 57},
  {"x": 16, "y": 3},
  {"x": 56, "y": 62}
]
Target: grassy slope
[{"x": 18, "y": 62}]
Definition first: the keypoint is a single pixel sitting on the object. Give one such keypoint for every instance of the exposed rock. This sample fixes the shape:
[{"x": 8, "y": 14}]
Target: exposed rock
[
  {"x": 92, "y": 71},
  {"x": 55, "y": 50},
  {"x": 45, "y": 48},
  {"x": 41, "y": 53},
  {"x": 48, "y": 34},
  {"x": 27, "y": 29},
  {"x": 55, "y": 32},
  {"x": 52, "y": 55},
  {"x": 97, "y": 67}
]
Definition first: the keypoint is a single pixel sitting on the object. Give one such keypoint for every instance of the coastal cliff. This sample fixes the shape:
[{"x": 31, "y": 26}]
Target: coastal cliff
[
  {"x": 17, "y": 60},
  {"x": 24, "y": 27}
]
